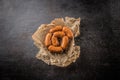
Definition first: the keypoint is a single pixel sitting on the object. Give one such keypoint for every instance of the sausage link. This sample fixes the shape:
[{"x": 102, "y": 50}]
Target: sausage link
[
  {"x": 57, "y": 28},
  {"x": 55, "y": 41},
  {"x": 48, "y": 39},
  {"x": 59, "y": 34},
  {"x": 64, "y": 42},
  {"x": 68, "y": 32},
  {"x": 52, "y": 48}
]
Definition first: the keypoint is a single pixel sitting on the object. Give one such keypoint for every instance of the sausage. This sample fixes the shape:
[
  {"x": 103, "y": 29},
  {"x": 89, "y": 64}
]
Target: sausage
[
  {"x": 52, "y": 48},
  {"x": 64, "y": 42},
  {"x": 57, "y": 28},
  {"x": 55, "y": 41},
  {"x": 59, "y": 34},
  {"x": 52, "y": 42},
  {"x": 68, "y": 32},
  {"x": 48, "y": 39}
]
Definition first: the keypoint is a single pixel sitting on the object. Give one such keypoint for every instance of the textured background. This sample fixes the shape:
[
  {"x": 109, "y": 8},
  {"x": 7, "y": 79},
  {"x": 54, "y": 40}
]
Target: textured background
[{"x": 99, "y": 39}]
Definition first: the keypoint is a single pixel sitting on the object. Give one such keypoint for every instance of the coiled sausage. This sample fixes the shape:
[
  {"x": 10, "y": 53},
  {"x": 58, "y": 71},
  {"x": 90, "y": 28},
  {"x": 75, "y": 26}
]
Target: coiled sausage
[{"x": 57, "y": 39}]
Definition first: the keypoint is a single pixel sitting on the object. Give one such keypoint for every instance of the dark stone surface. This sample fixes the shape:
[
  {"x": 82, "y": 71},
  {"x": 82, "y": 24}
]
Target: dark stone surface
[{"x": 99, "y": 39}]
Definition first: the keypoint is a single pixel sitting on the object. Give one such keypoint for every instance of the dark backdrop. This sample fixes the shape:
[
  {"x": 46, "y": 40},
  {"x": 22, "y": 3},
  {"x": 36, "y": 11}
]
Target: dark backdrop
[{"x": 99, "y": 39}]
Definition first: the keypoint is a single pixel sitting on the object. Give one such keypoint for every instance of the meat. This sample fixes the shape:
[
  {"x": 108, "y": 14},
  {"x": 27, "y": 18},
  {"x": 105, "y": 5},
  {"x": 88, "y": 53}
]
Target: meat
[
  {"x": 57, "y": 39},
  {"x": 68, "y": 32},
  {"x": 64, "y": 42},
  {"x": 59, "y": 34},
  {"x": 57, "y": 28},
  {"x": 48, "y": 39},
  {"x": 52, "y": 48}
]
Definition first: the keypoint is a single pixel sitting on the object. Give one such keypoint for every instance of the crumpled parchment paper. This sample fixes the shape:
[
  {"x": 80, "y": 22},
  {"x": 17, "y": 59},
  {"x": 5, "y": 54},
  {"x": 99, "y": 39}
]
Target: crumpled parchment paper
[{"x": 64, "y": 59}]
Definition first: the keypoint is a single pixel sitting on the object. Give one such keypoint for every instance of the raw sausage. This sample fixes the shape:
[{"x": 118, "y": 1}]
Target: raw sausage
[
  {"x": 52, "y": 48},
  {"x": 55, "y": 41},
  {"x": 48, "y": 39},
  {"x": 68, "y": 32},
  {"x": 59, "y": 34},
  {"x": 57, "y": 28},
  {"x": 64, "y": 42}
]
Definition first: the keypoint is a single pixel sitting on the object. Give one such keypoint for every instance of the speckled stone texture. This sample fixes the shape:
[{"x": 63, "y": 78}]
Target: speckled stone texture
[{"x": 99, "y": 39}]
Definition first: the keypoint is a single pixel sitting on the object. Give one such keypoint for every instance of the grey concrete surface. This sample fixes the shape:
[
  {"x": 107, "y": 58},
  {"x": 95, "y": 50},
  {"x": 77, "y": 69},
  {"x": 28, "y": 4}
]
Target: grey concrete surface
[{"x": 99, "y": 39}]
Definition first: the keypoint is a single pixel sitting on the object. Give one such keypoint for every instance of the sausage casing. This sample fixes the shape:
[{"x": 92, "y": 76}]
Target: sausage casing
[
  {"x": 48, "y": 39},
  {"x": 68, "y": 32},
  {"x": 52, "y": 48},
  {"x": 59, "y": 34},
  {"x": 55, "y": 41},
  {"x": 64, "y": 42},
  {"x": 57, "y": 28}
]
